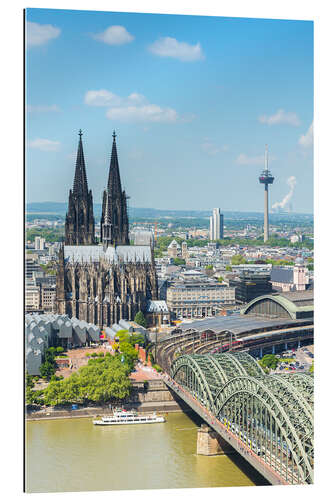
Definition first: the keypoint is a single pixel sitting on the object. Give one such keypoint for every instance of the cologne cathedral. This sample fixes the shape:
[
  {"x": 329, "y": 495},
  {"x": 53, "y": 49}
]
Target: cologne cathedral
[{"x": 102, "y": 282}]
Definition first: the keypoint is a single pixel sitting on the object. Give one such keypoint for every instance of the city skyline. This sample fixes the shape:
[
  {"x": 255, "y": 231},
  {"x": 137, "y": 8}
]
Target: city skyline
[{"x": 190, "y": 99}]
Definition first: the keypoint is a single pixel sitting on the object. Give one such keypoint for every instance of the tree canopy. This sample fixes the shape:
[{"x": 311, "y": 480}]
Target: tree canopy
[
  {"x": 178, "y": 261},
  {"x": 237, "y": 259},
  {"x": 102, "y": 380},
  {"x": 269, "y": 361},
  {"x": 140, "y": 319}
]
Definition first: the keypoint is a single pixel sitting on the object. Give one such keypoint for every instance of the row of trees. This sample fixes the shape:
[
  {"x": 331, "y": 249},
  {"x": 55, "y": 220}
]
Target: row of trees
[
  {"x": 104, "y": 379},
  {"x": 50, "y": 235},
  {"x": 239, "y": 259}
]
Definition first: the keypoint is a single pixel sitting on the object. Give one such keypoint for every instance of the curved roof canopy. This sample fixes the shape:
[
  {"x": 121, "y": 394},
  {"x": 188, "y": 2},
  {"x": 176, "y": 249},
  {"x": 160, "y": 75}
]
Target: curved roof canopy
[{"x": 296, "y": 304}]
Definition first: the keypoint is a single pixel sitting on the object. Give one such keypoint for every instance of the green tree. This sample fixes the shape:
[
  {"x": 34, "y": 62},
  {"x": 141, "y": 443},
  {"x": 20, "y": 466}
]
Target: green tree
[
  {"x": 137, "y": 338},
  {"x": 237, "y": 259},
  {"x": 129, "y": 352},
  {"x": 102, "y": 380},
  {"x": 47, "y": 369},
  {"x": 29, "y": 380},
  {"x": 228, "y": 268},
  {"x": 269, "y": 361},
  {"x": 140, "y": 319},
  {"x": 179, "y": 262}
]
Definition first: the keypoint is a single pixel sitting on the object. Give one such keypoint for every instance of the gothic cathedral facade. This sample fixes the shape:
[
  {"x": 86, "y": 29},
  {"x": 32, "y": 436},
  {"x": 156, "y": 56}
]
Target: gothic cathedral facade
[{"x": 103, "y": 282}]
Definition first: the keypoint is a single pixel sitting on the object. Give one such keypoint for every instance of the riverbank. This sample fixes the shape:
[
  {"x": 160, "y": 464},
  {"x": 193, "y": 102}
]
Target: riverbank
[
  {"x": 148, "y": 396},
  {"x": 97, "y": 411}
]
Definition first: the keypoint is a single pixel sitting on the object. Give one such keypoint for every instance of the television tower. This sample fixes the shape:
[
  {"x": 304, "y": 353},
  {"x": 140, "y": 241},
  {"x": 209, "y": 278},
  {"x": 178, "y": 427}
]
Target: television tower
[{"x": 266, "y": 178}]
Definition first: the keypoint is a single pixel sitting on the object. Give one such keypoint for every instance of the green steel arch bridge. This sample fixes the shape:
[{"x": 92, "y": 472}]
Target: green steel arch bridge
[{"x": 268, "y": 419}]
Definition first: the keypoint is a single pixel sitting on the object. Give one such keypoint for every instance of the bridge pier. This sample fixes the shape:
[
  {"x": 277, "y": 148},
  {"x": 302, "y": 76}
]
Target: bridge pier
[
  {"x": 273, "y": 349},
  {"x": 210, "y": 443}
]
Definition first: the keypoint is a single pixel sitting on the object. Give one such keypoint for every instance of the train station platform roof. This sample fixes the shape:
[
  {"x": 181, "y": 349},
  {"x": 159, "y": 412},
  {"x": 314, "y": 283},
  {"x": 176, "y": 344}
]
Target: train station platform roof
[
  {"x": 240, "y": 324},
  {"x": 295, "y": 305}
]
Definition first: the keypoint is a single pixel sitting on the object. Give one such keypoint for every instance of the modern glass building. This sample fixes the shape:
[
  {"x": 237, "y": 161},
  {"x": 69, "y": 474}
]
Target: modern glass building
[{"x": 216, "y": 225}]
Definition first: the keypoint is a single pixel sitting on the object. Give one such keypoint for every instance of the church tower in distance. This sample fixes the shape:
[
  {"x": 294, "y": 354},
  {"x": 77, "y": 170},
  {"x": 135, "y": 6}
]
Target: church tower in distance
[
  {"x": 114, "y": 220},
  {"x": 80, "y": 224}
]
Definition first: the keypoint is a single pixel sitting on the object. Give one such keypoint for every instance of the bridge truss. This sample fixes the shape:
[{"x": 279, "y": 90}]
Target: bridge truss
[{"x": 271, "y": 414}]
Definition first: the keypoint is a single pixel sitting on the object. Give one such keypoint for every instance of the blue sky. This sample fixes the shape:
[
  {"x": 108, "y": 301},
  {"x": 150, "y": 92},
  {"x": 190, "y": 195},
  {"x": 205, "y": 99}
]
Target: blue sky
[{"x": 193, "y": 101}]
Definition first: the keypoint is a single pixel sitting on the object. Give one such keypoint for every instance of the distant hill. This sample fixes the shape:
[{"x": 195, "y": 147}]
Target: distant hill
[{"x": 57, "y": 208}]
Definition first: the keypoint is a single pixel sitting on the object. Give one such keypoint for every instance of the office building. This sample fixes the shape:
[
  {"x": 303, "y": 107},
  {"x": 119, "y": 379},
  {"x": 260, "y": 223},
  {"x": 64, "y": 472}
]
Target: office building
[
  {"x": 39, "y": 243},
  {"x": 199, "y": 298},
  {"x": 216, "y": 225}
]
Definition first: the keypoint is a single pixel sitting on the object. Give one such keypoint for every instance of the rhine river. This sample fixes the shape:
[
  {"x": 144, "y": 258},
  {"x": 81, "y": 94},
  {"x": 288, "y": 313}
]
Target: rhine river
[{"x": 75, "y": 455}]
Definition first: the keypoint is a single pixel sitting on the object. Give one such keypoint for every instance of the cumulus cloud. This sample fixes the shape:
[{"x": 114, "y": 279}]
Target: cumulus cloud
[
  {"x": 114, "y": 35},
  {"x": 44, "y": 144},
  {"x": 106, "y": 98},
  {"x": 133, "y": 108},
  {"x": 170, "y": 47},
  {"x": 147, "y": 113},
  {"x": 307, "y": 140},
  {"x": 39, "y": 34},
  {"x": 43, "y": 109},
  {"x": 280, "y": 117},
  {"x": 210, "y": 148}
]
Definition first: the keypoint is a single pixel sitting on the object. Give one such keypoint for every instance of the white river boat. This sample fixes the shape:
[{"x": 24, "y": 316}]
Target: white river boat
[{"x": 123, "y": 417}]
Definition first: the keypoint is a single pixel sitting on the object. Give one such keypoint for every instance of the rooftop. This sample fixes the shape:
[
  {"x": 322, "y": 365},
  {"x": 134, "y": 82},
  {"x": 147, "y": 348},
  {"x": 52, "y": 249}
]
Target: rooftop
[
  {"x": 237, "y": 324},
  {"x": 94, "y": 253}
]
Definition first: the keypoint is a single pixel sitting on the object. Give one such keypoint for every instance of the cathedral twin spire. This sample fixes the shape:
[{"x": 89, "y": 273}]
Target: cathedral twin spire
[
  {"x": 114, "y": 220},
  {"x": 80, "y": 226}
]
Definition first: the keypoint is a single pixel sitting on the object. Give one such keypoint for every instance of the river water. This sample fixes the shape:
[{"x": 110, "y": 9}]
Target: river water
[{"x": 75, "y": 455}]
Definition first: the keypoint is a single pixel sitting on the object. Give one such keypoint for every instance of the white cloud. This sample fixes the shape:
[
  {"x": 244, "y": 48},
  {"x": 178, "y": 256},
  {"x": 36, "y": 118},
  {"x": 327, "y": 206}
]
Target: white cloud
[
  {"x": 38, "y": 34},
  {"x": 210, "y": 148},
  {"x": 279, "y": 117},
  {"x": 43, "y": 109},
  {"x": 133, "y": 108},
  {"x": 105, "y": 98},
  {"x": 44, "y": 145},
  {"x": 114, "y": 35},
  {"x": 307, "y": 140},
  {"x": 147, "y": 113},
  {"x": 244, "y": 159},
  {"x": 170, "y": 47},
  {"x": 101, "y": 98}
]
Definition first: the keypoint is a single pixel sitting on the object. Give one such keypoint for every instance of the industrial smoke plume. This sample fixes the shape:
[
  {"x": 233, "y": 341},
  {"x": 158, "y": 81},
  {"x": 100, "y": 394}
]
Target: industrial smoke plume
[{"x": 291, "y": 181}]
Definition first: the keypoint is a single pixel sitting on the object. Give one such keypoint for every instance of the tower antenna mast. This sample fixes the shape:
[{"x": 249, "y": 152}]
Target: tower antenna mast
[{"x": 266, "y": 178}]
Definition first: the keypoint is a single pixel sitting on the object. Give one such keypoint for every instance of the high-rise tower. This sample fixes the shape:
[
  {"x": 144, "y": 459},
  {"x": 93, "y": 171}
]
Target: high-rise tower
[
  {"x": 216, "y": 225},
  {"x": 114, "y": 220},
  {"x": 80, "y": 224},
  {"x": 266, "y": 178}
]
